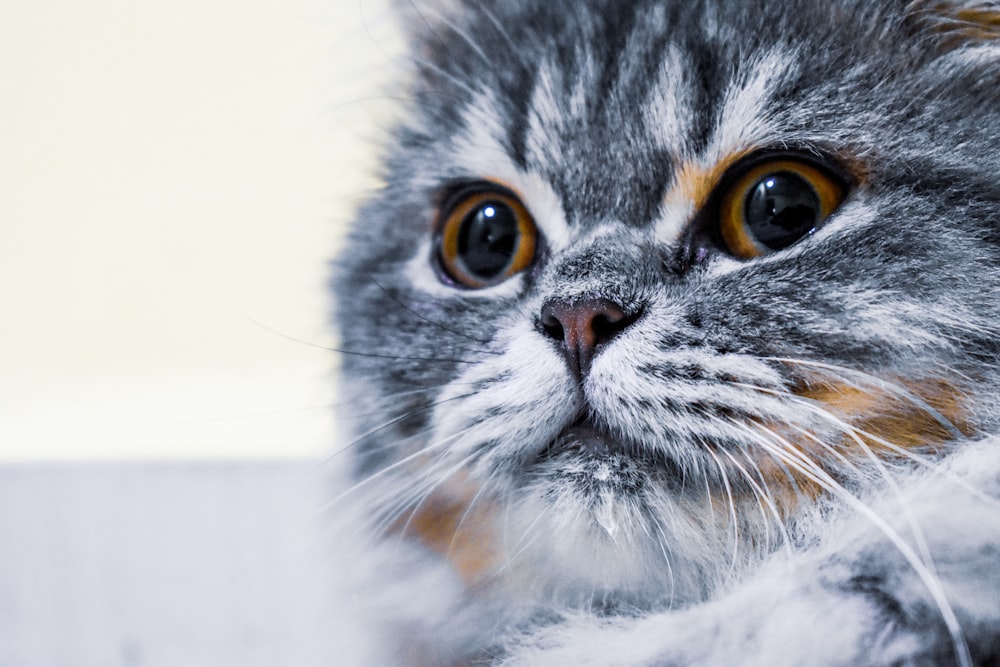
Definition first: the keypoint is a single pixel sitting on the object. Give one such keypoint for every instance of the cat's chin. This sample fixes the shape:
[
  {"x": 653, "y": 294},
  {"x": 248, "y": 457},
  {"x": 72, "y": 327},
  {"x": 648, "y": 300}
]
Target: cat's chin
[
  {"x": 590, "y": 462},
  {"x": 608, "y": 510}
]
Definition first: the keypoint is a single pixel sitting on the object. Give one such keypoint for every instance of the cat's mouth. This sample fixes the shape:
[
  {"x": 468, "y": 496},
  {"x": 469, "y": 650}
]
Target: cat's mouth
[
  {"x": 593, "y": 460},
  {"x": 585, "y": 438}
]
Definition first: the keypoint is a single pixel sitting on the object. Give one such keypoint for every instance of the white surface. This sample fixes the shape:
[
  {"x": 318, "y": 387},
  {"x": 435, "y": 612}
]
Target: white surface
[
  {"x": 187, "y": 565},
  {"x": 173, "y": 181}
]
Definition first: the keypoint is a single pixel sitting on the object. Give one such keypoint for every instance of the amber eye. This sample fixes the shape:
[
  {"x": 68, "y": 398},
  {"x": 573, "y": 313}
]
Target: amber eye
[
  {"x": 773, "y": 203},
  {"x": 485, "y": 237}
]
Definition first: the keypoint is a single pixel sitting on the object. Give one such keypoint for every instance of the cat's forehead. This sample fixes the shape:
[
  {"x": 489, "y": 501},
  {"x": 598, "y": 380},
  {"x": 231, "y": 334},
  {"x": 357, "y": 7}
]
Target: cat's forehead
[
  {"x": 633, "y": 134},
  {"x": 631, "y": 112}
]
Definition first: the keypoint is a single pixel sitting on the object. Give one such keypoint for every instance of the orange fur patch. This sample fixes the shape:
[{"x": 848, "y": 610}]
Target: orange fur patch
[
  {"x": 887, "y": 423},
  {"x": 880, "y": 415},
  {"x": 959, "y": 25},
  {"x": 792, "y": 484},
  {"x": 456, "y": 524},
  {"x": 694, "y": 183}
]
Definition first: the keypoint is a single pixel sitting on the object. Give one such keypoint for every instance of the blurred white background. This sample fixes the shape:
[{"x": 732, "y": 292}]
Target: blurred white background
[{"x": 174, "y": 177}]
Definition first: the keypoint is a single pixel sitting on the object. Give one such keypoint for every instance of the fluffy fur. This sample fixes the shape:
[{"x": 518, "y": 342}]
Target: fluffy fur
[{"x": 801, "y": 468}]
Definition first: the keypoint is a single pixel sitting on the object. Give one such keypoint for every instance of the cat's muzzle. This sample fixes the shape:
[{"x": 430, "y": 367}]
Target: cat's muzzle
[{"x": 592, "y": 462}]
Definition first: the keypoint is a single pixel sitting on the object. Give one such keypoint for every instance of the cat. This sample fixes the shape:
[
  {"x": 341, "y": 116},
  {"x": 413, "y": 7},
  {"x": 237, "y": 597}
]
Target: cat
[{"x": 671, "y": 337}]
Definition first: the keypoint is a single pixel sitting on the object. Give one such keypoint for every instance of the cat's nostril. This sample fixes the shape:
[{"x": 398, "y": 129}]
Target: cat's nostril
[
  {"x": 552, "y": 326},
  {"x": 606, "y": 327},
  {"x": 582, "y": 326}
]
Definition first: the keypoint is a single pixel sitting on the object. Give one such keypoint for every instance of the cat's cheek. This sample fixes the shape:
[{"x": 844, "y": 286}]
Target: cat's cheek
[{"x": 505, "y": 409}]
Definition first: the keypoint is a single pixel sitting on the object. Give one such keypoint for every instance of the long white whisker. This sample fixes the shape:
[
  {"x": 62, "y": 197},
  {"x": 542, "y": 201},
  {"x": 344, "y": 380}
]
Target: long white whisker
[
  {"x": 441, "y": 479},
  {"x": 441, "y": 18},
  {"x": 758, "y": 497},
  {"x": 871, "y": 380},
  {"x": 384, "y": 471},
  {"x": 662, "y": 544},
  {"x": 468, "y": 510},
  {"x": 402, "y": 503},
  {"x": 447, "y": 75},
  {"x": 361, "y": 438},
  {"x": 428, "y": 476},
  {"x": 708, "y": 495},
  {"x": 911, "y": 520},
  {"x": 769, "y": 498},
  {"x": 855, "y": 432},
  {"x": 798, "y": 460},
  {"x": 930, "y": 465},
  {"x": 732, "y": 511}
]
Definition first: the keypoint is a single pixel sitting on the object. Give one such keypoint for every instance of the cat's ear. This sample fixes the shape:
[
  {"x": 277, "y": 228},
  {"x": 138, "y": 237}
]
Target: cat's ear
[
  {"x": 953, "y": 24},
  {"x": 422, "y": 18}
]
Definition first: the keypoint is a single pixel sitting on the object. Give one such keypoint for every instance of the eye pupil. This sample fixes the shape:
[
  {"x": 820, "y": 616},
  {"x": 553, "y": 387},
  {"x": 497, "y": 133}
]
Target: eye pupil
[
  {"x": 782, "y": 208},
  {"x": 487, "y": 240},
  {"x": 484, "y": 236}
]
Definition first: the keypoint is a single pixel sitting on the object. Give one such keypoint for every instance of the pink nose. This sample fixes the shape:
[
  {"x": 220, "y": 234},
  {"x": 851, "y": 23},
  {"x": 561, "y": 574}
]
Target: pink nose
[{"x": 581, "y": 327}]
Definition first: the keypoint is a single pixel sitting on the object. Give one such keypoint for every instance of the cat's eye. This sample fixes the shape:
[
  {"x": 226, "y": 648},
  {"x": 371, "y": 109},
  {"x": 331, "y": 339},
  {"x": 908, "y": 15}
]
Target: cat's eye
[
  {"x": 485, "y": 236},
  {"x": 772, "y": 203}
]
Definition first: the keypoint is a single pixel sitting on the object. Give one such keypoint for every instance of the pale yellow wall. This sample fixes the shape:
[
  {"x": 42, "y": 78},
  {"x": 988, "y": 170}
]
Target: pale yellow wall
[{"x": 173, "y": 178}]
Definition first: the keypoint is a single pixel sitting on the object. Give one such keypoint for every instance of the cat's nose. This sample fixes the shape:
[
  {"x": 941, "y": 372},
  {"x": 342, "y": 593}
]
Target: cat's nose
[{"x": 581, "y": 327}]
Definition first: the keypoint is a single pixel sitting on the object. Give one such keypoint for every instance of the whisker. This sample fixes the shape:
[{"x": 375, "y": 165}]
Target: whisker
[
  {"x": 384, "y": 400},
  {"x": 440, "y": 71},
  {"x": 661, "y": 542},
  {"x": 768, "y": 495},
  {"x": 761, "y": 498},
  {"x": 911, "y": 520},
  {"x": 441, "y": 18},
  {"x": 930, "y": 465},
  {"x": 491, "y": 17},
  {"x": 708, "y": 495},
  {"x": 381, "y": 427},
  {"x": 441, "y": 479},
  {"x": 433, "y": 322},
  {"x": 798, "y": 460},
  {"x": 383, "y": 471},
  {"x": 420, "y": 14},
  {"x": 407, "y": 502},
  {"x": 732, "y": 511},
  {"x": 357, "y": 353},
  {"x": 468, "y": 511},
  {"x": 523, "y": 543},
  {"x": 428, "y": 477},
  {"x": 901, "y": 451},
  {"x": 893, "y": 388}
]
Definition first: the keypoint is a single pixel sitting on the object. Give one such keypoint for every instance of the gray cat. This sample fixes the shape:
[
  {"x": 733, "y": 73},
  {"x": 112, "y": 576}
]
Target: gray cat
[{"x": 673, "y": 334}]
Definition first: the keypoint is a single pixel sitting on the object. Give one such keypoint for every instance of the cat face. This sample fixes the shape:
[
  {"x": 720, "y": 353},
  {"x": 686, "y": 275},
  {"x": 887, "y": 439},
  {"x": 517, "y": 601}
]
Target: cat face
[{"x": 648, "y": 281}]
